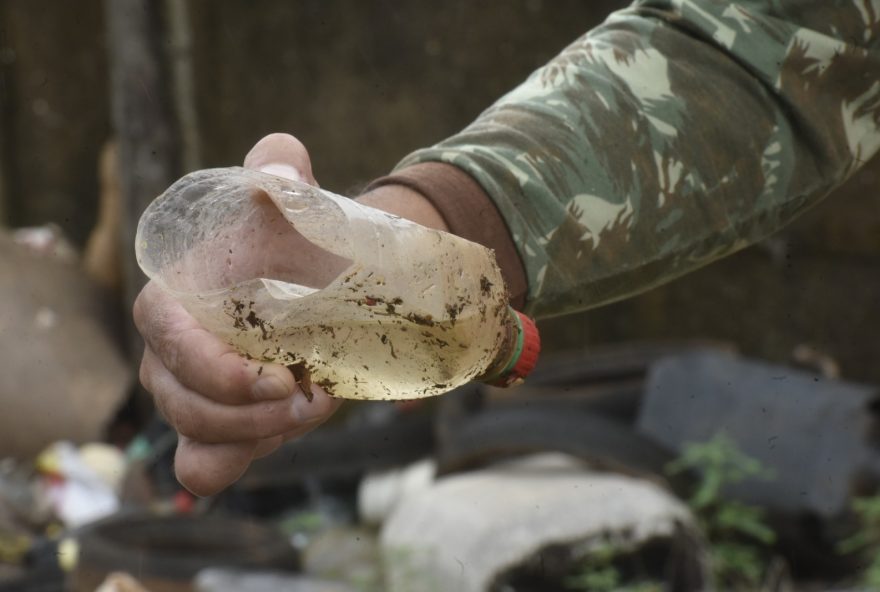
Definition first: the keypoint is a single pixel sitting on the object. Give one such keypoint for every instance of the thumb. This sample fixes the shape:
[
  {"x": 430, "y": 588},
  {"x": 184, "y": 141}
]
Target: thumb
[{"x": 281, "y": 155}]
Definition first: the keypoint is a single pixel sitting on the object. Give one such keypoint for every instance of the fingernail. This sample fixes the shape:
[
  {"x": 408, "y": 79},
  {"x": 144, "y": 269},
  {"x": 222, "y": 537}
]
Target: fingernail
[
  {"x": 307, "y": 410},
  {"x": 282, "y": 170},
  {"x": 270, "y": 387}
]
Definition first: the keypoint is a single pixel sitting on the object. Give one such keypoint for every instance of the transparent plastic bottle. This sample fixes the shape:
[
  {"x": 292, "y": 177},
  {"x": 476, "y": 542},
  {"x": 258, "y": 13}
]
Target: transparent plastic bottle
[{"x": 365, "y": 304}]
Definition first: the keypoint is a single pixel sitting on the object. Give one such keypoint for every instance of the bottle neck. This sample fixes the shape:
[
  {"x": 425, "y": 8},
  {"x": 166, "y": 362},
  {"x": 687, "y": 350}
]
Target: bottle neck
[{"x": 509, "y": 352}]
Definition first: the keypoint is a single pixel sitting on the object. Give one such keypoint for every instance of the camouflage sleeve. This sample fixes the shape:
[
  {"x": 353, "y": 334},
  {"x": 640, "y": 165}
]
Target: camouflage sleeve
[{"x": 677, "y": 132}]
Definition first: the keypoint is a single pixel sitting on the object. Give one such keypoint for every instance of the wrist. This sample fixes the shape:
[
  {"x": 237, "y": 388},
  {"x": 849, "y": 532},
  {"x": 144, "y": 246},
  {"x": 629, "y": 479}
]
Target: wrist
[
  {"x": 467, "y": 211},
  {"x": 404, "y": 202}
]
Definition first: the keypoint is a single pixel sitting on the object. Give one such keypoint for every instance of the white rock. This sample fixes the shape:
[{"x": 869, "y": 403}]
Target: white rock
[{"x": 467, "y": 529}]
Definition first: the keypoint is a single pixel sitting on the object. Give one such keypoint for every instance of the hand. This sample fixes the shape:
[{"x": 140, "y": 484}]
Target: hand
[{"x": 227, "y": 410}]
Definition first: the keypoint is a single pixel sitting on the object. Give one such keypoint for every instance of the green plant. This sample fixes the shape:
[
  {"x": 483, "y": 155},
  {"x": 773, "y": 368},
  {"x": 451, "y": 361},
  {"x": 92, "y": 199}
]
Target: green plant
[
  {"x": 407, "y": 568},
  {"x": 597, "y": 573},
  {"x": 866, "y": 540},
  {"x": 737, "y": 533}
]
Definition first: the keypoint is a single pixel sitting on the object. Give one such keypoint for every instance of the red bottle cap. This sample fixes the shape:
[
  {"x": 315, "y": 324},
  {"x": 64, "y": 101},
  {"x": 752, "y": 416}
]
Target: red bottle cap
[
  {"x": 528, "y": 346},
  {"x": 183, "y": 502}
]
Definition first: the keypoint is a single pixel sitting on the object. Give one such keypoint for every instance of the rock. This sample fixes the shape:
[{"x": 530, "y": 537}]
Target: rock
[
  {"x": 121, "y": 582},
  {"x": 815, "y": 434},
  {"x": 468, "y": 529},
  {"x": 228, "y": 580},
  {"x": 344, "y": 554},
  {"x": 65, "y": 376},
  {"x": 380, "y": 492}
]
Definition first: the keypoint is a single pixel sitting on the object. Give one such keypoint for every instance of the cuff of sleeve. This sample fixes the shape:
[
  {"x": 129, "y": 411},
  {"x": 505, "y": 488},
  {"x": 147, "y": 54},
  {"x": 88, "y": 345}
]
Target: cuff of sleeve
[{"x": 469, "y": 213}]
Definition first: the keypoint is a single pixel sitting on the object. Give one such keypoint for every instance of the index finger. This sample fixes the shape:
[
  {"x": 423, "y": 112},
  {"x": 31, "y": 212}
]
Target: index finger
[{"x": 199, "y": 360}]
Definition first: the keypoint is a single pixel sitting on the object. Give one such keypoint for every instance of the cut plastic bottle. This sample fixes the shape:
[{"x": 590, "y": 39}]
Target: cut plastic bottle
[{"x": 365, "y": 304}]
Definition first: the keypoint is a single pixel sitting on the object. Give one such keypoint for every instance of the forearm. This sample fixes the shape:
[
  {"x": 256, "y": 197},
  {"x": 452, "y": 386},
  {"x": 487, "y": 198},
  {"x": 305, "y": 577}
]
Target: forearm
[{"x": 675, "y": 134}]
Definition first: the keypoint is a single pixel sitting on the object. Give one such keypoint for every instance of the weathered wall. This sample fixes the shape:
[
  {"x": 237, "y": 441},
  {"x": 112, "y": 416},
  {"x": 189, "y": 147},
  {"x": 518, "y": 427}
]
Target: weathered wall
[
  {"x": 53, "y": 112},
  {"x": 362, "y": 83}
]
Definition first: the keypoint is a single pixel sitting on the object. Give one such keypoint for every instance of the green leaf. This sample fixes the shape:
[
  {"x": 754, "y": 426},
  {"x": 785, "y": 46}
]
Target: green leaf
[
  {"x": 602, "y": 579},
  {"x": 857, "y": 542},
  {"x": 744, "y": 519},
  {"x": 735, "y": 563}
]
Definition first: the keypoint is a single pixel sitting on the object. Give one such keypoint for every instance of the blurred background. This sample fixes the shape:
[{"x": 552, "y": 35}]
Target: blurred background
[{"x": 104, "y": 104}]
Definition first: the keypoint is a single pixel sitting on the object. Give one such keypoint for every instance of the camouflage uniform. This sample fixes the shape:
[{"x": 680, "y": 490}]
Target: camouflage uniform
[{"x": 677, "y": 132}]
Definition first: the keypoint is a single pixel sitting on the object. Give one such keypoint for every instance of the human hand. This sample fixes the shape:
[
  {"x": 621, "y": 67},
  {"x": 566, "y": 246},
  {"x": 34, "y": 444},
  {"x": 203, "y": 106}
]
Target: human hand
[{"x": 227, "y": 410}]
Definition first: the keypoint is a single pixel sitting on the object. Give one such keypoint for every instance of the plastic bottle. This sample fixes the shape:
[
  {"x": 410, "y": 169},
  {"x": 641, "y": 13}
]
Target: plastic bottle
[{"x": 365, "y": 304}]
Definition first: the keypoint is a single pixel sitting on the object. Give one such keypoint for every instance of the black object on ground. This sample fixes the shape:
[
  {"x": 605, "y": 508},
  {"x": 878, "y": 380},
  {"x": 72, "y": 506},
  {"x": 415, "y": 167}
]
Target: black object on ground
[
  {"x": 169, "y": 551},
  {"x": 496, "y": 434},
  {"x": 817, "y": 437},
  {"x": 41, "y": 571},
  {"x": 580, "y": 403},
  {"x": 344, "y": 451}
]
